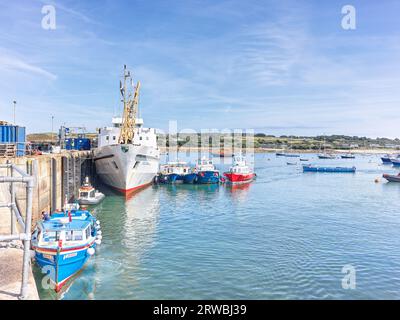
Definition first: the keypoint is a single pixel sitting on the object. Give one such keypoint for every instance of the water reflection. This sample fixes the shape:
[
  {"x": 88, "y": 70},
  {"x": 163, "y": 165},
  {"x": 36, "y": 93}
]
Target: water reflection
[{"x": 239, "y": 192}]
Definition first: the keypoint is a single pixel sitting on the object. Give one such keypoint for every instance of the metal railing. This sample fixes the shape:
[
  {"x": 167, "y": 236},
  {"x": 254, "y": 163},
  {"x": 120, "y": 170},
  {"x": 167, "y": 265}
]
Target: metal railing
[{"x": 26, "y": 224}]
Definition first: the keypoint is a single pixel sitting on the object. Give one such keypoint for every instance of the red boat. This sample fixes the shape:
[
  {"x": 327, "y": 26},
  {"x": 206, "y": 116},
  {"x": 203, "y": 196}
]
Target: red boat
[{"x": 239, "y": 172}]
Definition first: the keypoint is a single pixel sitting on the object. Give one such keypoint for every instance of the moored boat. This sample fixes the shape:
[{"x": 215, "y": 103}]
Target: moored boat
[
  {"x": 310, "y": 168},
  {"x": 395, "y": 162},
  {"x": 88, "y": 195},
  {"x": 392, "y": 178},
  {"x": 176, "y": 172},
  {"x": 348, "y": 156},
  {"x": 386, "y": 159},
  {"x": 288, "y": 155},
  {"x": 63, "y": 243},
  {"x": 239, "y": 172},
  {"x": 206, "y": 172},
  {"x": 326, "y": 156}
]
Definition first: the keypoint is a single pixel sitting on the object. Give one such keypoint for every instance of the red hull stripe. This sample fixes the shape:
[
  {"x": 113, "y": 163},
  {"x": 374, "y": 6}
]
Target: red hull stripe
[
  {"x": 63, "y": 250},
  {"x": 133, "y": 189}
]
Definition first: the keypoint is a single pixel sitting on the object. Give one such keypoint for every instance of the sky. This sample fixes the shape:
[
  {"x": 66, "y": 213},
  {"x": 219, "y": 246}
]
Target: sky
[{"x": 275, "y": 66}]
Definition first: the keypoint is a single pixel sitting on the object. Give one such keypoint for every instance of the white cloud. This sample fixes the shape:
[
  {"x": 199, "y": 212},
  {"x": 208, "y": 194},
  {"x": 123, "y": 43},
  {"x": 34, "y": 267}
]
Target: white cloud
[{"x": 12, "y": 63}]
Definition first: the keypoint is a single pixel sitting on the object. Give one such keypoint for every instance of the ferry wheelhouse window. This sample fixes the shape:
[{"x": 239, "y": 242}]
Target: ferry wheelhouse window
[
  {"x": 107, "y": 138},
  {"x": 114, "y": 137},
  {"x": 84, "y": 194}
]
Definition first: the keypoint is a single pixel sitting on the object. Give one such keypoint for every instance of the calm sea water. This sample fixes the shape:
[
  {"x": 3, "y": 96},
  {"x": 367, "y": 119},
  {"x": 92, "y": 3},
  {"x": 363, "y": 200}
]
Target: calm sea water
[{"x": 285, "y": 236}]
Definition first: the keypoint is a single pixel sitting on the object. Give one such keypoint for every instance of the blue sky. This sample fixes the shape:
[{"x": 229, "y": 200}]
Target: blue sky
[{"x": 279, "y": 67}]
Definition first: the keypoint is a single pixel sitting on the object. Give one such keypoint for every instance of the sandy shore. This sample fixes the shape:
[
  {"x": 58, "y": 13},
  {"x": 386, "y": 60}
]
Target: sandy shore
[{"x": 269, "y": 150}]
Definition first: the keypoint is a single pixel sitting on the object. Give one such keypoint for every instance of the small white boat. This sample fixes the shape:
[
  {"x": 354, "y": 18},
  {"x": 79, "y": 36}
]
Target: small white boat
[{"x": 88, "y": 195}]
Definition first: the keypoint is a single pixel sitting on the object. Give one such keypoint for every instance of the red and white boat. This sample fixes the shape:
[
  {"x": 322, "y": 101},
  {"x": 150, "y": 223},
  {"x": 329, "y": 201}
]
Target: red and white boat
[{"x": 239, "y": 172}]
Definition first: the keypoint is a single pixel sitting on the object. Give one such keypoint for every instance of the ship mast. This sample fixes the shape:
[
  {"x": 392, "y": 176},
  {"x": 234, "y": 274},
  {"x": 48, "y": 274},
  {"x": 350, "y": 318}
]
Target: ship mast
[{"x": 130, "y": 109}]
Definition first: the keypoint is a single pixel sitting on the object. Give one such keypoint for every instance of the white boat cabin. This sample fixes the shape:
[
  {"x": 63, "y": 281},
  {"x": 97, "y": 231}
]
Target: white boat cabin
[
  {"x": 239, "y": 165},
  {"x": 142, "y": 136},
  {"x": 178, "y": 167},
  {"x": 204, "y": 164}
]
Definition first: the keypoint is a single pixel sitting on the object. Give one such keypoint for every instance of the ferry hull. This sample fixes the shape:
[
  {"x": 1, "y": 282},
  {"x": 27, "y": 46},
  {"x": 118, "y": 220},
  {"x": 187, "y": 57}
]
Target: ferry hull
[{"x": 126, "y": 168}]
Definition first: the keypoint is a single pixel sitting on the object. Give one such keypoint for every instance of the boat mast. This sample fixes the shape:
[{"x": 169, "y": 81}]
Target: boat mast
[{"x": 130, "y": 109}]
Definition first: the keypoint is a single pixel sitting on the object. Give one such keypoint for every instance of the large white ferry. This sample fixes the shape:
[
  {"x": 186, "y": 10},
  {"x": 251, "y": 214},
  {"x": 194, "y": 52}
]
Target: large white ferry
[{"x": 127, "y": 157}]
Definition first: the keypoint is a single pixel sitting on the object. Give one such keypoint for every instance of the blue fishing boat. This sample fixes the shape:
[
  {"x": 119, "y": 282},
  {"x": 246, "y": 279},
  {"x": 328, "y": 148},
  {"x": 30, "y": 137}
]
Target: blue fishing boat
[
  {"x": 310, "y": 168},
  {"x": 176, "y": 172},
  {"x": 386, "y": 159},
  {"x": 64, "y": 241},
  {"x": 326, "y": 156},
  {"x": 206, "y": 172},
  {"x": 348, "y": 156}
]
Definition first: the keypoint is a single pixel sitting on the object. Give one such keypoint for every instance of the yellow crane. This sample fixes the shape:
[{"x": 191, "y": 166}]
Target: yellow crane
[{"x": 130, "y": 110}]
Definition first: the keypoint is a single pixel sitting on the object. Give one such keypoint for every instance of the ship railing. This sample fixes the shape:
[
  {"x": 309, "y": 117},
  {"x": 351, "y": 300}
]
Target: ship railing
[{"x": 17, "y": 175}]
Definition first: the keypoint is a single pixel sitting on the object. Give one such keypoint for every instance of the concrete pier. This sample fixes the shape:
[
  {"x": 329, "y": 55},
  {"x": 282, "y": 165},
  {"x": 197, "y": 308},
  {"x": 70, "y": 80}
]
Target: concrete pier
[
  {"x": 11, "y": 254},
  {"x": 57, "y": 177}
]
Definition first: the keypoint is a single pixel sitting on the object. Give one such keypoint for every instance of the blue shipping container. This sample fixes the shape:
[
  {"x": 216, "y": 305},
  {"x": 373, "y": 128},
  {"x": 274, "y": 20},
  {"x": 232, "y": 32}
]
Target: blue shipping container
[
  {"x": 82, "y": 144},
  {"x": 69, "y": 144},
  {"x": 13, "y": 135},
  {"x": 21, "y": 139}
]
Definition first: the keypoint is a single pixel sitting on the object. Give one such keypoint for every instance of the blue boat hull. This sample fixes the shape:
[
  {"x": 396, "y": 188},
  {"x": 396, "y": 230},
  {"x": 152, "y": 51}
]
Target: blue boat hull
[
  {"x": 190, "y": 178},
  {"x": 386, "y": 160},
  {"x": 396, "y": 163},
  {"x": 329, "y": 169},
  {"x": 207, "y": 177},
  {"x": 61, "y": 266},
  {"x": 168, "y": 178}
]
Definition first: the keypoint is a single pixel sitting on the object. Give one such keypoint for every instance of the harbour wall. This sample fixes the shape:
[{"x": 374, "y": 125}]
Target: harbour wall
[{"x": 57, "y": 179}]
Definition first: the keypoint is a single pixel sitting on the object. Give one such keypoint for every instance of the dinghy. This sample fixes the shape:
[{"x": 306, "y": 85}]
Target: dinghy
[
  {"x": 88, "y": 195},
  {"x": 391, "y": 178}
]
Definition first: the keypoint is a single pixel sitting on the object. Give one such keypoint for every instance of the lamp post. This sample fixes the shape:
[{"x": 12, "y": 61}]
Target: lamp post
[
  {"x": 52, "y": 120},
  {"x": 15, "y": 103}
]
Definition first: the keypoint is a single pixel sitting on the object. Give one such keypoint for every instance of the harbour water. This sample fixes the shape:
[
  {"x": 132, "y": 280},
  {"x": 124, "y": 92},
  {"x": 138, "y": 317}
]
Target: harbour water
[{"x": 287, "y": 235}]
